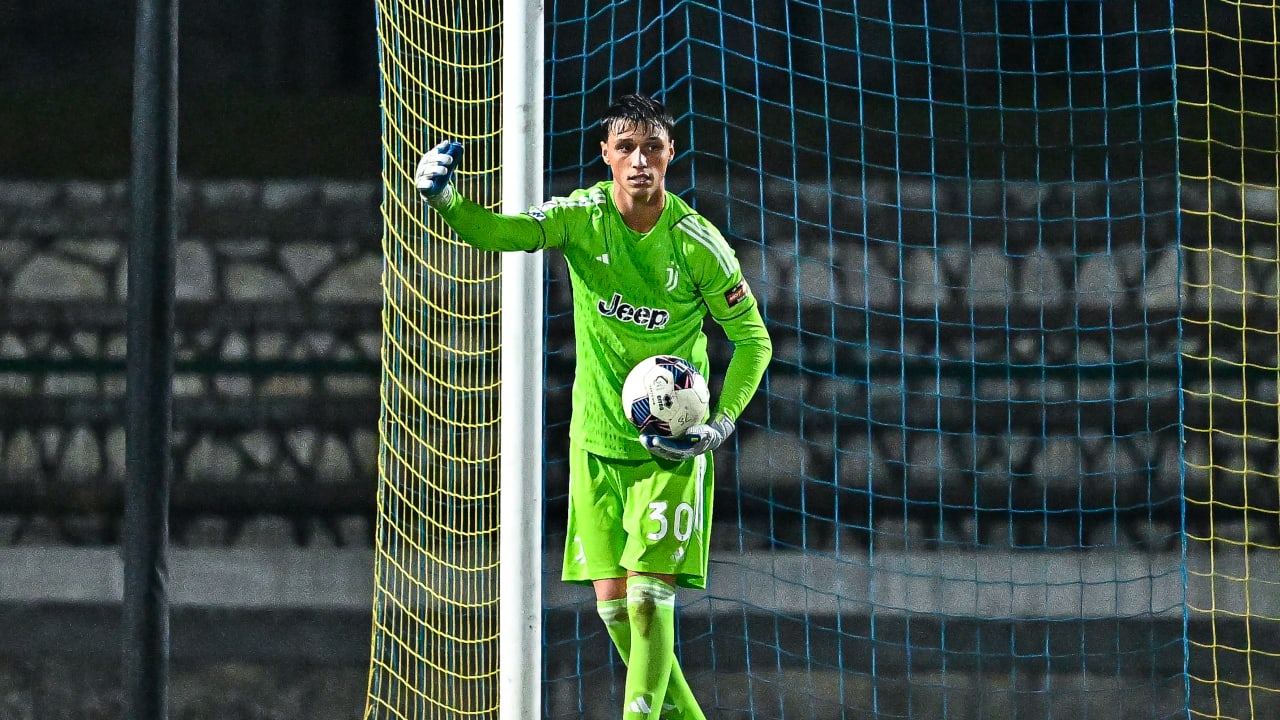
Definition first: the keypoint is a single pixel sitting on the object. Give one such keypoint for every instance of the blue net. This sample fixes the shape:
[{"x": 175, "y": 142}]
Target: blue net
[{"x": 957, "y": 494}]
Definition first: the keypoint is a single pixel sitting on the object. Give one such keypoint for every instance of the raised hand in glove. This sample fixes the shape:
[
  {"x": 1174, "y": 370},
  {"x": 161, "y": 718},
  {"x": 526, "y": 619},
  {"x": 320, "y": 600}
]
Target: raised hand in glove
[{"x": 435, "y": 171}]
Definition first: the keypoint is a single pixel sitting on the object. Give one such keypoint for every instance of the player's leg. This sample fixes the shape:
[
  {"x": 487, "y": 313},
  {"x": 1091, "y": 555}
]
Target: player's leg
[
  {"x": 611, "y": 603},
  {"x": 651, "y": 609},
  {"x": 593, "y": 552},
  {"x": 667, "y": 519}
]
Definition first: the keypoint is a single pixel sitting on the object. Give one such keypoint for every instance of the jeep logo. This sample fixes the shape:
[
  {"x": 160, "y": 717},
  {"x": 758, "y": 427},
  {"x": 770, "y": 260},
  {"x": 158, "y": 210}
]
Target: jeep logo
[{"x": 646, "y": 317}]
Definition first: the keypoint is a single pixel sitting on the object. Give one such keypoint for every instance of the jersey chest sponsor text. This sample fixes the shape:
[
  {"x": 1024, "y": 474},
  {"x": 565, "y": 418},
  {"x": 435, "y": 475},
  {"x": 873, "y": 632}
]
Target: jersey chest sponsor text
[{"x": 646, "y": 317}]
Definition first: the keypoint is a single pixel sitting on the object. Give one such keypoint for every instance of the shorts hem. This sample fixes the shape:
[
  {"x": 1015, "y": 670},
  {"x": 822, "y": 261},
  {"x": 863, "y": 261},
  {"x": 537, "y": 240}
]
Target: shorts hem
[{"x": 683, "y": 580}]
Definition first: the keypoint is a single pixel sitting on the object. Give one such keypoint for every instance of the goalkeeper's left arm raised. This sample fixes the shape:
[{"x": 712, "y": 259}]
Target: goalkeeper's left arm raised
[{"x": 475, "y": 225}]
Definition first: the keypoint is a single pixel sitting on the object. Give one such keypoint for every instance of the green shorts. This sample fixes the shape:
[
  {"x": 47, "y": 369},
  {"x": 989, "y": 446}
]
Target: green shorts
[{"x": 649, "y": 516}]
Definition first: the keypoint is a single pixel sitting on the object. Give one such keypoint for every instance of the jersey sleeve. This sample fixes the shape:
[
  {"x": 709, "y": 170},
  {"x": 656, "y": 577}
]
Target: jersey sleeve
[
  {"x": 731, "y": 304},
  {"x": 537, "y": 228}
]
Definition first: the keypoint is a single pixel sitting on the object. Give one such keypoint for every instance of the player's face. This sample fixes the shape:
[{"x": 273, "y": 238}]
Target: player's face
[{"x": 638, "y": 155}]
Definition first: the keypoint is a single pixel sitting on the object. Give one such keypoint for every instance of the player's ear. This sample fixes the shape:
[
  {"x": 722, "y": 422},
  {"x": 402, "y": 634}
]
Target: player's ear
[{"x": 604, "y": 152}]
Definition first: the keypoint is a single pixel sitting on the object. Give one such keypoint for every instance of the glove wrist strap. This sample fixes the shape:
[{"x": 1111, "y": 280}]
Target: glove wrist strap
[{"x": 442, "y": 198}]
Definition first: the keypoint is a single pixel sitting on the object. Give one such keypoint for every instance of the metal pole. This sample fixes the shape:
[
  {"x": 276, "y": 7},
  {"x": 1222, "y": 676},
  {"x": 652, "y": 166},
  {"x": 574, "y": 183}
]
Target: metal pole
[
  {"x": 520, "y": 570},
  {"x": 145, "y": 670}
]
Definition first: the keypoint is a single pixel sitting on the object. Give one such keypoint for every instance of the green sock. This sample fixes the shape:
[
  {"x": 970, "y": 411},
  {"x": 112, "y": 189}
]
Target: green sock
[
  {"x": 651, "y": 606},
  {"x": 680, "y": 704}
]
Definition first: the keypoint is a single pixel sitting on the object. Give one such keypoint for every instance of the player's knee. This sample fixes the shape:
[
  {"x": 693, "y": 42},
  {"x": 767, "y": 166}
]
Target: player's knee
[
  {"x": 644, "y": 596},
  {"x": 613, "y": 613},
  {"x": 641, "y": 611}
]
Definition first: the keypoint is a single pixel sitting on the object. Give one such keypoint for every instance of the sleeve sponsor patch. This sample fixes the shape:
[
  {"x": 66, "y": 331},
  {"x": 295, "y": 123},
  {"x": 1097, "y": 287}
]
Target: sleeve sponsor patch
[
  {"x": 737, "y": 293},
  {"x": 539, "y": 212}
]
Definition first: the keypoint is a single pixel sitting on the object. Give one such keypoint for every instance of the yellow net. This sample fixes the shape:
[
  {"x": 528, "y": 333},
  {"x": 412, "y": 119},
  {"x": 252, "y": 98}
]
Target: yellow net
[
  {"x": 435, "y": 634},
  {"x": 435, "y": 631},
  {"x": 1229, "y": 120}
]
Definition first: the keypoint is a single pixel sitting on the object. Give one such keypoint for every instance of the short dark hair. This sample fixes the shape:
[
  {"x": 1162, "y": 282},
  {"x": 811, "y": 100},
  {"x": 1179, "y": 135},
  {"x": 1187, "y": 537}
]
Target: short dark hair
[{"x": 636, "y": 109}]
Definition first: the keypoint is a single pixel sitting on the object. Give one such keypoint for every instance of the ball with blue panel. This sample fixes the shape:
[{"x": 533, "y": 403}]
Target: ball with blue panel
[{"x": 665, "y": 395}]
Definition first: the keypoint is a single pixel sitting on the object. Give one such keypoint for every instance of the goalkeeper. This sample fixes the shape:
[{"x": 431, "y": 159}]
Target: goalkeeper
[{"x": 645, "y": 269}]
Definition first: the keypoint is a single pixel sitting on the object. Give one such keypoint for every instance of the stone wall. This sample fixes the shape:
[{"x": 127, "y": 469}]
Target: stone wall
[{"x": 287, "y": 272}]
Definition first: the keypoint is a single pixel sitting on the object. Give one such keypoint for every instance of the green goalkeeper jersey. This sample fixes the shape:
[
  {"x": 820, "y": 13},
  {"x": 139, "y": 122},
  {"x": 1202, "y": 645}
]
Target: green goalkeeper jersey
[{"x": 634, "y": 295}]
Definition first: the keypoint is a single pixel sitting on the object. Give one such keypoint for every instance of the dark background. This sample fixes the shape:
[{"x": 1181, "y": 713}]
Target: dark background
[
  {"x": 289, "y": 88},
  {"x": 267, "y": 88}
]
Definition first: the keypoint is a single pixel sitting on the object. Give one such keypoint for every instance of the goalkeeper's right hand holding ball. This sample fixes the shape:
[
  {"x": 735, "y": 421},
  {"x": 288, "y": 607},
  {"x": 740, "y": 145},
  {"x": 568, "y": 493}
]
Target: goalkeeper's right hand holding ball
[
  {"x": 435, "y": 172},
  {"x": 701, "y": 438}
]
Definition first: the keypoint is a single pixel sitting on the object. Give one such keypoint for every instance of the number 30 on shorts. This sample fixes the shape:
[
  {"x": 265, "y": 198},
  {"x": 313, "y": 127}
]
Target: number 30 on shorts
[{"x": 681, "y": 525}]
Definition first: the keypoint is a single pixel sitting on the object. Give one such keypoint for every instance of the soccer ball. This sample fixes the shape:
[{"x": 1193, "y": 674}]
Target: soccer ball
[{"x": 665, "y": 395}]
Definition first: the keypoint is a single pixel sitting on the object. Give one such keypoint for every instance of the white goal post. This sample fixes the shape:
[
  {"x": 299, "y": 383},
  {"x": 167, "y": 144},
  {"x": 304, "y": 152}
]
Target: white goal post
[{"x": 520, "y": 468}]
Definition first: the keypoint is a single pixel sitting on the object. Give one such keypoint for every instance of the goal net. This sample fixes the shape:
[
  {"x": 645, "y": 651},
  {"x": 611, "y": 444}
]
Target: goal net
[{"x": 1016, "y": 452}]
